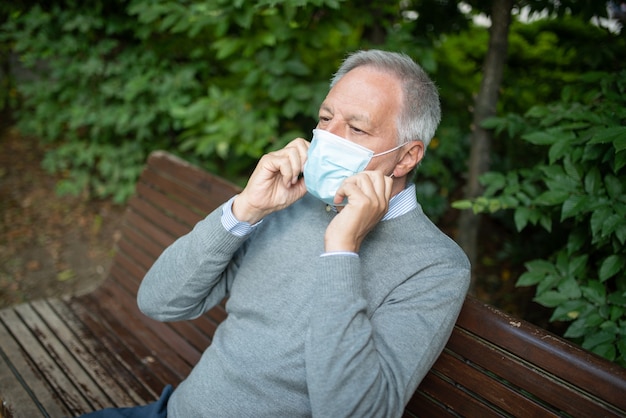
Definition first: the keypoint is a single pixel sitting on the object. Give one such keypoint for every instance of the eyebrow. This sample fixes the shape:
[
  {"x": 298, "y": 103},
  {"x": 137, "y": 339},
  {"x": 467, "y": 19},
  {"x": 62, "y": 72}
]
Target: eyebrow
[{"x": 350, "y": 118}]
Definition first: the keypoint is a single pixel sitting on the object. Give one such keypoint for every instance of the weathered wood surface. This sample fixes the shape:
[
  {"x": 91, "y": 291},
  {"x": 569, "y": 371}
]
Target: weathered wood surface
[{"x": 63, "y": 357}]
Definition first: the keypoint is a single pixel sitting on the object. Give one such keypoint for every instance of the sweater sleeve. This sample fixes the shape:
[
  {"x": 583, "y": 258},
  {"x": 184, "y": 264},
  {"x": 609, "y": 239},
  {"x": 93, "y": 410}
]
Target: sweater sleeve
[
  {"x": 193, "y": 274},
  {"x": 370, "y": 366}
]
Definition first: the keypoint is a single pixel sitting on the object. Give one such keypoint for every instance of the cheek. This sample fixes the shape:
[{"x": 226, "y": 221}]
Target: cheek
[{"x": 382, "y": 163}]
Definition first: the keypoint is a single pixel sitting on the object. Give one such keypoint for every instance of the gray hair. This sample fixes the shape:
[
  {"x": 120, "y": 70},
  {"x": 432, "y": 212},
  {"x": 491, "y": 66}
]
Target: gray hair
[{"x": 421, "y": 111}]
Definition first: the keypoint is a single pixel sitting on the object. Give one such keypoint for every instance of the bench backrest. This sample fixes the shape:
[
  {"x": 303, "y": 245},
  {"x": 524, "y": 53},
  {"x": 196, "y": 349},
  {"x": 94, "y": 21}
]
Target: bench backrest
[
  {"x": 493, "y": 365},
  {"x": 497, "y": 365}
]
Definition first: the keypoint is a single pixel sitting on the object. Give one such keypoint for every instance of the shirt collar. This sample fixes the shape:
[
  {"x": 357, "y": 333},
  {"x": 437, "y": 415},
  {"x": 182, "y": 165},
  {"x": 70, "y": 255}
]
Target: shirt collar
[{"x": 402, "y": 203}]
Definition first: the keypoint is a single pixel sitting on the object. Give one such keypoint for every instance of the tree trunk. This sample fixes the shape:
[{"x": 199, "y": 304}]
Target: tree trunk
[{"x": 485, "y": 106}]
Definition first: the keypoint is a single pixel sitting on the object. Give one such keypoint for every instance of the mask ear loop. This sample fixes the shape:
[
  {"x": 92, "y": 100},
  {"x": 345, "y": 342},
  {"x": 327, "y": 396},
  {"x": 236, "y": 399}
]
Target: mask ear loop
[{"x": 389, "y": 150}]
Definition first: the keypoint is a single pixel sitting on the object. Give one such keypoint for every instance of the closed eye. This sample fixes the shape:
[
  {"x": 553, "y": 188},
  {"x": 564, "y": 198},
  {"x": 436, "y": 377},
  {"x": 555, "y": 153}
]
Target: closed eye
[{"x": 357, "y": 130}]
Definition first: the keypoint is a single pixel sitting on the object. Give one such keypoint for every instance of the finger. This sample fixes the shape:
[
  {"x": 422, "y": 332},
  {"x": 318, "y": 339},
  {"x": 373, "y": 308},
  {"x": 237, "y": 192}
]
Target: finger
[
  {"x": 301, "y": 144},
  {"x": 382, "y": 184},
  {"x": 284, "y": 162},
  {"x": 296, "y": 152},
  {"x": 371, "y": 188},
  {"x": 358, "y": 189},
  {"x": 388, "y": 187}
]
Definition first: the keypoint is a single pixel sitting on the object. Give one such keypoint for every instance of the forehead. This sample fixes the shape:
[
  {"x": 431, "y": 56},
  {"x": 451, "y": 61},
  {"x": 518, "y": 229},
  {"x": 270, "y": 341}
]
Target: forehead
[{"x": 365, "y": 94}]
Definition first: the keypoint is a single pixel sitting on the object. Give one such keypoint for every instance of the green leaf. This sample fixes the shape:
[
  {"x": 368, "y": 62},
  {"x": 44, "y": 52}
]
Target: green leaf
[
  {"x": 541, "y": 266},
  {"x": 606, "y": 350},
  {"x": 569, "y": 310},
  {"x": 495, "y": 181},
  {"x": 540, "y": 138},
  {"x": 577, "y": 265},
  {"x": 530, "y": 278},
  {"x": 611, "y": 224},
  {"x": 573, "y": 206},
  {"x": 597, "y": 338},
  {"x": 226, "y": 47},
  {"x": 546, "y": 222},
  {"x": 577, "y": 329},
  {"x": 594, "y": 292},
  {"x": 593, "y": 180},
  {"x": 561, "y": 147},
  {"x": 551, "y": 298},
  {"x": 493, "y": 123},
  {"x": 552, "y": 198},
  {"x": 611, "y": 325},
  {"x": 614, "y": 186},
  {"x": 597, "y": 221},
  {"x": 610, "y": 266},
  {"x": 573, "y": 169},
  {"x": 620, "y": 160},
  {"x": 521, "y": 216},
  {"x": 462, "y": 204},
  {"x": 620, "y": 144},
  {"x": 570, "y": 289},
  {"x": 621, "y": 346},
  {"x": 620, "y": 233},
  {"x": 616, "y": 134},
  {"x": 576, "y": 241},
  {"x": 617, "y": 298}
]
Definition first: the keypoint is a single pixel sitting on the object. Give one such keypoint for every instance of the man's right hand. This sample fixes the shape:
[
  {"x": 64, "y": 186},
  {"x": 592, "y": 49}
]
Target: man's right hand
[{"x": 275, "y": 183}]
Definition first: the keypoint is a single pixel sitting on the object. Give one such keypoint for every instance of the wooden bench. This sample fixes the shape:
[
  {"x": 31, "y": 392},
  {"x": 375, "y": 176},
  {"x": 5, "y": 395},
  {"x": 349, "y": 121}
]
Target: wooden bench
[{"x": 67, "y": 356}]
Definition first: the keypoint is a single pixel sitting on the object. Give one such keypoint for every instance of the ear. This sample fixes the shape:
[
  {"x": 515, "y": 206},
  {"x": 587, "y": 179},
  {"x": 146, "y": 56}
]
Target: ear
[{"x": 410, "y": 159}]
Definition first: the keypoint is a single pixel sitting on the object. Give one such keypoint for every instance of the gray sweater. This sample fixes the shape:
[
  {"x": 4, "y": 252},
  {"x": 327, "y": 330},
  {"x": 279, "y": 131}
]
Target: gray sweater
[{"x": 307, "y": 335}]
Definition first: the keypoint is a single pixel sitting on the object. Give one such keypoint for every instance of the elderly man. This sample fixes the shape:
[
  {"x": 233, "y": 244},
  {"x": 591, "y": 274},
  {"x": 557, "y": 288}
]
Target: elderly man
[{"x": 341, "y": 292}]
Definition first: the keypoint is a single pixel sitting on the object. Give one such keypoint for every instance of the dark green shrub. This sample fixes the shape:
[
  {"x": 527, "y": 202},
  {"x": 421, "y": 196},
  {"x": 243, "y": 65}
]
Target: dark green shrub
[{"x": 577, "y": 194}]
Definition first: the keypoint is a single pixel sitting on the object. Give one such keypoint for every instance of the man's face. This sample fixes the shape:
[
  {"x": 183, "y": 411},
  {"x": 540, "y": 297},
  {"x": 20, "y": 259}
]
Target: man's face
[{"x": 363, "y": 107}]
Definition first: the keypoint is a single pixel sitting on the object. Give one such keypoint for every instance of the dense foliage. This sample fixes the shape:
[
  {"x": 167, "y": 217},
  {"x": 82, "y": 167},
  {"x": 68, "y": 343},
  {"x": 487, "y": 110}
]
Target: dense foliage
[
  {"x": 577, "y": 193},
  {"x": 219, "y": 82}
]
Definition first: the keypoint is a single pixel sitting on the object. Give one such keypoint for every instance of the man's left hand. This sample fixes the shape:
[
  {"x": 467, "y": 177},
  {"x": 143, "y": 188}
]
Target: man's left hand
[{"x": 368, "y": 195}]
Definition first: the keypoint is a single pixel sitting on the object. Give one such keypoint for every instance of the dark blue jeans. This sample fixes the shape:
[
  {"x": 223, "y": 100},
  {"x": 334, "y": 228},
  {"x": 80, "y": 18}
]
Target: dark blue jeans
[{"x": 156, "y": 409}]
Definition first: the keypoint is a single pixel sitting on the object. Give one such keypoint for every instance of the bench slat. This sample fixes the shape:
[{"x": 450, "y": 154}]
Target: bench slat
[
  {"x": 158, "y": 219},
  {"x": 140, "y": 357},
  {"x": 165, "y": 335},
  {"x": 143, "y": 380},
  {"x": 427, "y": 407},
  {"x": 199, "y": 183},
  {"x": 147, "y": 229},
  {"x": 136, "y": 238},
  {"x": 186, "y": 195},
  {"x": 492, "y": 389},
  {"x": 574, "y": 365},
  {"x": 88, "y": 372},
  {"x": 94, "y": 357},
  {"x": 199, "y": 331},
  {"x": 136, "y": 254},
  {"x": 171, "y": 207},
  {"x": 21, "y": 385},
  {"x": 56, "y": 378},
  {"x": 525, "y": 377},
  {"x": 148, "y": 336},
  {"x": 446, "y": 394}
]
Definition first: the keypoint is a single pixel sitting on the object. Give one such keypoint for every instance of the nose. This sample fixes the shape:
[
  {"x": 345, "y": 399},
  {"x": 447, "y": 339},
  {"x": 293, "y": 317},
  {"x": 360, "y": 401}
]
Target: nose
[{"x": 335, "y": 128}]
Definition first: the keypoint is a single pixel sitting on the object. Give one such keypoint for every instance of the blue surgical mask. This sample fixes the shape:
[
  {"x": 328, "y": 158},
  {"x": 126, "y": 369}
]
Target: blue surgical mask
[{"x": 332, "y": 159}]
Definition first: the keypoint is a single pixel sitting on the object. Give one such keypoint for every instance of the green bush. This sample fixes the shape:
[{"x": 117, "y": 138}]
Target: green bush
[
  {"x": 218, "y": 82},
  {"x": 577, "y": 194},
  {"x": 98, "y": 92}
]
